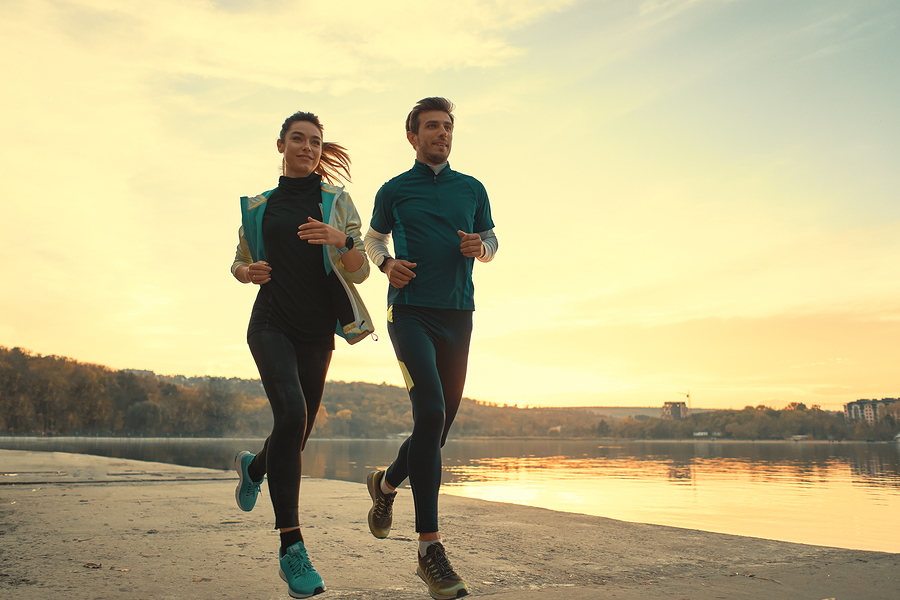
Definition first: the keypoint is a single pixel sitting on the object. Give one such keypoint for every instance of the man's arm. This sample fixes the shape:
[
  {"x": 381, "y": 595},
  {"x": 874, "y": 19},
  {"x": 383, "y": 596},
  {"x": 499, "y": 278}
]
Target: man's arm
[
  {"x": 376, "y": 244},
  {"x": 399, "y": 272},
  {"x": 482, "y": 245},
  {"x": 491, "y": 245}
]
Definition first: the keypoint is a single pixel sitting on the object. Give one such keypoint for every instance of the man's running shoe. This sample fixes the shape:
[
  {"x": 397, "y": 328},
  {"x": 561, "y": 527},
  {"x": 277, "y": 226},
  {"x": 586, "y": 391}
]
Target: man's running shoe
[
  {"x": 382, "y": 512},
  {"x": 435, "y": 570},
  {"x": 247, "y": 489},
  {"x": 302, "y": 579}
]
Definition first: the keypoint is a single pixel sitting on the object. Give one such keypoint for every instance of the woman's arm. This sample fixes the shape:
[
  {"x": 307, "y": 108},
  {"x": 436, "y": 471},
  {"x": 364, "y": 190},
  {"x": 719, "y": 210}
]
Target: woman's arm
[
  {"x": 243, "y": 261},
  {"x": 353, "y": 263}
]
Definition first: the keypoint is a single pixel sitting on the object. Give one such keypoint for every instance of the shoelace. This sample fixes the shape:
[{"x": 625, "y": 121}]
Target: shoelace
[
  {"x": 253, "y": 486},
  {"x": 298, "y": 562},
  {"x": 439, "y": 565},
  {"x": 384, "y": 506}
]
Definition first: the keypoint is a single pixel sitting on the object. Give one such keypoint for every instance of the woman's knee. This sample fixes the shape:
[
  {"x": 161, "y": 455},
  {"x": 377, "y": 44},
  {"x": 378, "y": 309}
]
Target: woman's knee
[{"x": 292, "y": 419}]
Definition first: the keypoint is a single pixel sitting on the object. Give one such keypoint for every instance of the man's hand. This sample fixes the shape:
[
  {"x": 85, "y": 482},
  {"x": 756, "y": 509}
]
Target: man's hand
[
  {"x": 470, "y": 244},
  {"x": 399, "y": 272}
]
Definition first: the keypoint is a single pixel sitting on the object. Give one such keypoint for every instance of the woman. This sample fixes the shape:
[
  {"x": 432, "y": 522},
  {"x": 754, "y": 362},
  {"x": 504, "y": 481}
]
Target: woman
[{"x": 301, "y": 244}]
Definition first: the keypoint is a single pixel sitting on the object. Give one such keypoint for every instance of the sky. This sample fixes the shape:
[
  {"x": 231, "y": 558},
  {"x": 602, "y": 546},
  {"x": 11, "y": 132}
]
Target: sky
[{"x": 691, "y": 196}]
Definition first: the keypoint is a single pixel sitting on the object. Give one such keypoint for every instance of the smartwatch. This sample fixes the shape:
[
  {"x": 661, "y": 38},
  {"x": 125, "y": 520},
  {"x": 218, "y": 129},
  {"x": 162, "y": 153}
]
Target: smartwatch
[{"x": 348, "y": 245}]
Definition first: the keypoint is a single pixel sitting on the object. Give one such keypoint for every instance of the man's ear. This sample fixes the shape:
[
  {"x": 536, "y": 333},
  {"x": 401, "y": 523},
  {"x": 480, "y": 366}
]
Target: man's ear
[{"x": 413, "y": 139}]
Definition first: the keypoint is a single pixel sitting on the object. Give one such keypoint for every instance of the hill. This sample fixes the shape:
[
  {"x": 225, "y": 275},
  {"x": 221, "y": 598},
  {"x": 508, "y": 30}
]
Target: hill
[{"x": 53, "y": 395}]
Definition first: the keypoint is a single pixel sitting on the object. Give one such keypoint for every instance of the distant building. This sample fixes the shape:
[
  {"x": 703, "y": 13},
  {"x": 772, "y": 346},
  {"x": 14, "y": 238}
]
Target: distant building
[
  {"x": 673, "y": 411},
  {"x": 140, "y": 372},
  {"x": 868, "y": 410}
]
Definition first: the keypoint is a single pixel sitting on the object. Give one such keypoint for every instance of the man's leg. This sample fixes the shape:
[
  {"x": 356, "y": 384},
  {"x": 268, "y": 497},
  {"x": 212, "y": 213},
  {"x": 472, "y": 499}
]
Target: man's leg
[
  {"x": 452, "y": 362},
  {"x": 420, "y": 455},
  {"x": 424, "y": 350}
]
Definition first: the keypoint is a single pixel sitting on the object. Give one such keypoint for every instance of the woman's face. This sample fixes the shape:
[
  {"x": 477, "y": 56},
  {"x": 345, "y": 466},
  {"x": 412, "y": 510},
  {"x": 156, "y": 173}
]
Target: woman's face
[{"x": 302, "y": 149}]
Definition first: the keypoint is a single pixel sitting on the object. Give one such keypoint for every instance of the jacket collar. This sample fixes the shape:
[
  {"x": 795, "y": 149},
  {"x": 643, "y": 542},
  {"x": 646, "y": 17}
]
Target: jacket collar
[{"x": 420, "y": 167}]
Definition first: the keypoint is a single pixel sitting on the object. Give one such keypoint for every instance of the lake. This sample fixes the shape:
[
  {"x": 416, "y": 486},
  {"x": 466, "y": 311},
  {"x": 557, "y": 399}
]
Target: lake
[{"x": 843, "y": 494}]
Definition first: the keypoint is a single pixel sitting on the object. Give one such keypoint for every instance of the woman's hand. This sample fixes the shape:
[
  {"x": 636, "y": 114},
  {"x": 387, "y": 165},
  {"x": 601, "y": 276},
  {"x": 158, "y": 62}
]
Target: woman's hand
[
  {"x": 259, "y": 273},
  {"x": 317, "y": 232}
]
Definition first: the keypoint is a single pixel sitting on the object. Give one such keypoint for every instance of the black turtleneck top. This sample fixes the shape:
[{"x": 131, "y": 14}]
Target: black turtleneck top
[{"x": 297, "y": 301}]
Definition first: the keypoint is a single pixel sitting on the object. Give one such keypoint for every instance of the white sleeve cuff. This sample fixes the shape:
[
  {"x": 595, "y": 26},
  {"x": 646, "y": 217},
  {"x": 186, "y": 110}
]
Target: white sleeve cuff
[
  {"x": 376, "y": 244},
  {"x": 489, "y": 240}
]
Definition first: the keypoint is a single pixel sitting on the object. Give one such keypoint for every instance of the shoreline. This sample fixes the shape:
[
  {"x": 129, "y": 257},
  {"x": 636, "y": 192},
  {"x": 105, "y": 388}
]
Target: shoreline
[
  {"x": 708, "y": 440},
  {"x": 160, "y": 529}
]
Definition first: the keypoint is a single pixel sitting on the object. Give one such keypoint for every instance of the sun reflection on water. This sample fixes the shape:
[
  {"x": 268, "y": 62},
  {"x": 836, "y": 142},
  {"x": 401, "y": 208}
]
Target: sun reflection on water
[{"x": 815, "y": 502}]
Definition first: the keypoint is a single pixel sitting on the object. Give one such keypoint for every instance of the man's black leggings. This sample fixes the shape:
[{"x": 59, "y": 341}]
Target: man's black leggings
[
  {"x": 294, "y": 379},
  {"x": 432, "y": 347}
]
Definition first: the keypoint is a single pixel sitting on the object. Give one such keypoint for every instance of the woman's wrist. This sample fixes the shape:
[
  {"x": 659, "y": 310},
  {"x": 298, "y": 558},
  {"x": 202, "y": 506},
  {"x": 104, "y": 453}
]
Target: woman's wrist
[{"x": 347, "y": 245}]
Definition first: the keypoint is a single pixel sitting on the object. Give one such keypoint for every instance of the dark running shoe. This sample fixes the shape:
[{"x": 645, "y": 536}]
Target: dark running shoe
[
  {"x": 435, "y": 570},
  {"x": 381, "y": 515}
]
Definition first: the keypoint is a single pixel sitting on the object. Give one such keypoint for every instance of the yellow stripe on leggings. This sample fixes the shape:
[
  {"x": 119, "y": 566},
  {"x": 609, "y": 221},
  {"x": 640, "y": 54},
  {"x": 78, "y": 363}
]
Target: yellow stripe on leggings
[{"x": 409, "y": 382}]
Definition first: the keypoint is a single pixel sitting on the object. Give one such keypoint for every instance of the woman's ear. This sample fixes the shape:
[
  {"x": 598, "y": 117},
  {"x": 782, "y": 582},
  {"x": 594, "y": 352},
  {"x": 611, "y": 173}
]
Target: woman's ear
[{"x": 280, "y": 145}]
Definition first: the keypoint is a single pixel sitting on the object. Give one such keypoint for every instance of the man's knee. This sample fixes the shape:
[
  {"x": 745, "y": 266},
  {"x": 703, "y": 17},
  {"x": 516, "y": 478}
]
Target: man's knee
[{"x": 430, "y": 420}]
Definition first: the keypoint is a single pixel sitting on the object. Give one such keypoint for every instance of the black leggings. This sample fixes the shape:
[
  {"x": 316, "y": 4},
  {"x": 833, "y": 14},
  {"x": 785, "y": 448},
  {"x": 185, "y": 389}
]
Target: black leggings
[
  {"x": 432, "y": 346},
  {"x": 294, "y": 379}
]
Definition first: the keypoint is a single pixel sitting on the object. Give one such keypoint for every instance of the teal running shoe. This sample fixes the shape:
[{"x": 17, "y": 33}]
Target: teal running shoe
[
  {"x": 247, "y": 489},
  {"x": 302, "y": 579}
]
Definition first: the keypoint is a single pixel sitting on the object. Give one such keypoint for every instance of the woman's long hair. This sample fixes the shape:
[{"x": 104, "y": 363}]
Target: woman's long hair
[{"x": 334, "y": 164}]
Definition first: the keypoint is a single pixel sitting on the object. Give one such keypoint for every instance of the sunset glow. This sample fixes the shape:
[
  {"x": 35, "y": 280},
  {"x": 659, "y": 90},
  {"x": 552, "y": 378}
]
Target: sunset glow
[{"x": 688, "y": 194}]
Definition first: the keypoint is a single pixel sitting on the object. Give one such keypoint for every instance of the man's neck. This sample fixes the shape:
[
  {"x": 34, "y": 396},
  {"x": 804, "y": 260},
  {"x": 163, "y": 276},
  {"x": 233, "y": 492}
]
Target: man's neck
[{"x": 437, "y": 168}]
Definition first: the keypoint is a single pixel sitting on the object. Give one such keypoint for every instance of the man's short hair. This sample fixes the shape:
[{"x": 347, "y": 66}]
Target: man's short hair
[{"x": 425, "y": 104}]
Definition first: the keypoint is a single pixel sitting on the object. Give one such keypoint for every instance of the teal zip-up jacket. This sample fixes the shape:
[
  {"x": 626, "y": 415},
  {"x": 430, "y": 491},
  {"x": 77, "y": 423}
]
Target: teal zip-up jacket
[{"x": 339, "y": 212}]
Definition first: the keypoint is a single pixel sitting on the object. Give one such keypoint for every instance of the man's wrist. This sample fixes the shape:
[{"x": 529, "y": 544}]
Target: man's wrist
[{"x": 384, "y": 262}]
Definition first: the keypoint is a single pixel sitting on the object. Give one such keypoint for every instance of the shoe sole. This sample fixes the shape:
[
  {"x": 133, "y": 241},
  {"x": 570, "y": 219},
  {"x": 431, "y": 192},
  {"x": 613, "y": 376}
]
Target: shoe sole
[
  {"x": 436, "y": 595},
  {"x": 316, "y": 592},
  {"x": 240, "y": 472},
  {"x": 370, "y": 483}
]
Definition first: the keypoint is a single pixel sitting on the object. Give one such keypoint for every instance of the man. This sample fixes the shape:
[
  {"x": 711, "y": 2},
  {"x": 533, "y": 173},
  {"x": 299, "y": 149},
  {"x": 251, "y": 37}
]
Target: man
[{"x": 441, "y": 222}]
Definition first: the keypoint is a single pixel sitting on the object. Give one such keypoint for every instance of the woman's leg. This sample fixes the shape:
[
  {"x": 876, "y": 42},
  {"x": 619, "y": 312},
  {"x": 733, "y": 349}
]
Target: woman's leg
[
  {"x": 294, "y": 379},
  {"x": 257, "y": 467}
]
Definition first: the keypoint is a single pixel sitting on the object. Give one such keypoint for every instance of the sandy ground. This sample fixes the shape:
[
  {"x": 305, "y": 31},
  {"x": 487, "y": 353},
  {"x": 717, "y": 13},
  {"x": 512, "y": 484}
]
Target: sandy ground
[{"x": 87, "y": 527}]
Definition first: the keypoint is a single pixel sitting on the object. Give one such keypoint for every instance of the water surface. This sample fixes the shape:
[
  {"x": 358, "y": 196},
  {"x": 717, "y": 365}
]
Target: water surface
[{"x": 844, "y": 494}]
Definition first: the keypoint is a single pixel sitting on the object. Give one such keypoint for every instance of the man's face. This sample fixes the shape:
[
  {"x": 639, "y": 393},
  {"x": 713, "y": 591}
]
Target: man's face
[{"x": 435, "y": 137}]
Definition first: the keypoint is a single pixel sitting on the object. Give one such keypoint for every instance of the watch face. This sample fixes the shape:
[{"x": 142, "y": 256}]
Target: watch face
[{"x": 349, "y": 243}]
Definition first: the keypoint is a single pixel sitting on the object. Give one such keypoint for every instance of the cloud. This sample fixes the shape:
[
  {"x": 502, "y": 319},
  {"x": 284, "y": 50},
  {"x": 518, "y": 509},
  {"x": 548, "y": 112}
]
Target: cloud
[{"x": 301, "y": 46}]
